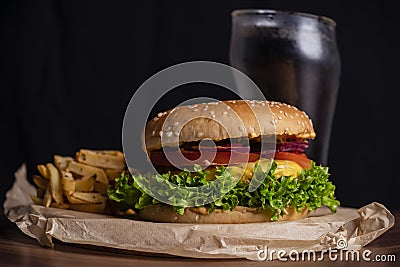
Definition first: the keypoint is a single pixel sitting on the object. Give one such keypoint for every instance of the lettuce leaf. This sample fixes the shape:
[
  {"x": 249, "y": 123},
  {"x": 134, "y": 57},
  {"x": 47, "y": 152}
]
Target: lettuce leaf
[{"x": 311, "y": 190}]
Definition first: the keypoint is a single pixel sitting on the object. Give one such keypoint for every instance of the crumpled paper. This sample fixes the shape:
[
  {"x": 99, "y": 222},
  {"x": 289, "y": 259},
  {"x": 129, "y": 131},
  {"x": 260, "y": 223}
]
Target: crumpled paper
[{"x": 348, "y": 229}]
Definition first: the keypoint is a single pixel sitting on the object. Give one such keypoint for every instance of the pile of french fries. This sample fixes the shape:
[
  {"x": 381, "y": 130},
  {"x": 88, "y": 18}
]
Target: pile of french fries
[{"x": 78, "y": 183}]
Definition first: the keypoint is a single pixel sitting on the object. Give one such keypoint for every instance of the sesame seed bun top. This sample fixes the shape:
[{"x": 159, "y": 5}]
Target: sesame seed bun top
[{"x": 217, "y": 121}]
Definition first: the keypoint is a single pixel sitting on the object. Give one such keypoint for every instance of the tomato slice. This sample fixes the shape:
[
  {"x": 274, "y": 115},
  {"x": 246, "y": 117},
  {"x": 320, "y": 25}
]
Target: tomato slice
[
  {"x": 221, "y": 158},
  {"x": 300, "y": 158}
]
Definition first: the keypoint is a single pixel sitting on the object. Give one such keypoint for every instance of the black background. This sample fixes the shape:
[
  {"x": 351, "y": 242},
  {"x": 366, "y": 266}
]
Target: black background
[{"x": 69, "y": 69}]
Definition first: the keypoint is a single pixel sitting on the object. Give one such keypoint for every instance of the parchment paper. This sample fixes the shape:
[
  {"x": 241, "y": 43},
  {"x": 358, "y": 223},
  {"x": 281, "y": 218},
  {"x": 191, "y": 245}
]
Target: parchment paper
[{"x": 321, "y": 231}]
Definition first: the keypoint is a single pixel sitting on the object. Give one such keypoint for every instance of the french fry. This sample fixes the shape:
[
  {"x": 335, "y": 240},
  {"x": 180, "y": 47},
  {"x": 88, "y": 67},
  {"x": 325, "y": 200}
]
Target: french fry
[
  {"x": 87, "y": 171},
  {"x": 40, "y": 192},
  {"x": 43, "y": 171},
  {"x": 68, "y": 181},
  {"x": 78, "y": 183},
  {"x": 101, "y": 188},
  {"x": 55, "y": 183},
  {"x": 115, "y": 153},
  {"x": 62, "y": 162},
  {"x": 93, "y": 208},
  {"x": 73, "y": 200},
  {"x": 40, "y": 182},
  {"x": 112, "y": 174},
  {"x": 47, "y": 197},
  {"x": 101, "y": 158},
  {"x": 94, "y": 198},
  {"x": 112, "y": 153},
  {"x": 85, "y": 184},
  {"x": 36, "y": 200}
]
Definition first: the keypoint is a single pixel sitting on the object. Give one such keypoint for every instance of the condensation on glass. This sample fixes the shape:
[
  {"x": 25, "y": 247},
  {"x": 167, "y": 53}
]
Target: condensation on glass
[{"x": 293, "y": 58}]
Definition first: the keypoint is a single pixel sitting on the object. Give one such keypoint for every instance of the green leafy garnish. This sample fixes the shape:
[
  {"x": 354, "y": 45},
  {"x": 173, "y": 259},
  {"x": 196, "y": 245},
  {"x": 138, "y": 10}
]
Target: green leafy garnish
[{"x": 310, "y": 190}]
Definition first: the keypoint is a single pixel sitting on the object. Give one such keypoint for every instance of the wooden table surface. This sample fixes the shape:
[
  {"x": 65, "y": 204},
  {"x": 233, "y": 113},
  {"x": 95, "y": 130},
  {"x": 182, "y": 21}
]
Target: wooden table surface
[{"x": 17, "y": 249}]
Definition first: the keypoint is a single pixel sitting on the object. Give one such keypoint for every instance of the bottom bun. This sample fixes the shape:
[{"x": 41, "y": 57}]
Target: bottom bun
[{"x": 164, "y": 213}]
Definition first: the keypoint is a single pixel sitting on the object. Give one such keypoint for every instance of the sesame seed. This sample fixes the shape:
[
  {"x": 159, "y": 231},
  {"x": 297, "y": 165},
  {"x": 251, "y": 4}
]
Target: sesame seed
[
  {"x": 176, "y": 123},
  {"x": 262, "y": 104},
  {"x": 200, "y": 134},
  {"x": 169, "y": 134},
  {"x": 196, "y": 109},
  {"x": 286, "y": 114},
  {"x": 213, "y": 116},
  {"x": 279, "y": 118},
  {"x": 298, "y": 122},
  {"x": 228, "y": 108},
  {"x": 224, "y": 113},
  {"x": 291, "y": 116},
  {"x": 153, "y": 133},
  {"x": 280, "y": 111},
  {"x": 205, "y": 108},
  {"x": 302, "y": 124},
  {"x": 161, "y": 133},
  {"x": 176, "y": 133},
  {"x": 155, "y": 119},
  {"x": 159, "y": 115},
  {"x": 211, "y": 112}
]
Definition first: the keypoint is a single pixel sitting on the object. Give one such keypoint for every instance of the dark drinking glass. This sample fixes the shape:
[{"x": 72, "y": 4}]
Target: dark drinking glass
[{"x": 293, "y": 58}]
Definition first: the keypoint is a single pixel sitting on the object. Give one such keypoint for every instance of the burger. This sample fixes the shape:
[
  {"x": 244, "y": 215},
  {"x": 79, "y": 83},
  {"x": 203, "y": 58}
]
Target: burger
[{"x": 289, "y": 184}]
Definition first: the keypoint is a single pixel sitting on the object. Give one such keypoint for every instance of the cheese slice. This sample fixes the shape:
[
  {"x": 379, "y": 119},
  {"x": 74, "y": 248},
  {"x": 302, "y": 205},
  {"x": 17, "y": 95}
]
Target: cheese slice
[
  {"x": 284, "y": 168},
  {"x": 287, "y": 168},
  {"x": 247, "y": 174}
]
